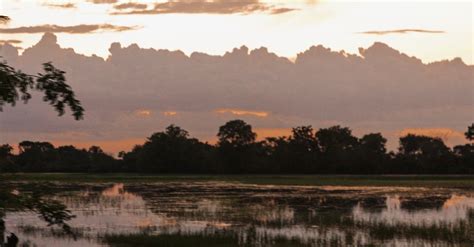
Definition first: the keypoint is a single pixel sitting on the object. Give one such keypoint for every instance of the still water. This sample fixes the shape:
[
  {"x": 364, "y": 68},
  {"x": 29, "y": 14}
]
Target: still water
[{"x": 256, "y": 215}]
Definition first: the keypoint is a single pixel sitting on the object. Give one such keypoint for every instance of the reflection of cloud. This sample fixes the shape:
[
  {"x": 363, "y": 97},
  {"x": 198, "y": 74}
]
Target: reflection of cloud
[
  {"x": 208, "y": 7},
  {"x": 443, "y": 133},
  {"x": 170, "y": 113},
  {"x": 82, "y": 28},
  {"x": 63, "y": 6},
  {"x": 117, "y": 190},
  {"x": 459, "y": 202},
  {"x": 401, "y": 31},
  {"x": 240, "y": 112}
]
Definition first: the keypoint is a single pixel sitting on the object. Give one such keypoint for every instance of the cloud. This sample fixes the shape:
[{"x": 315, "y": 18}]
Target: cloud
[
  {"x": 103, "y": 1},
  {"x": 63, "y": 6},
  {"x": 207, "y": 7},
  {"x": 77, "y": 29},
  {"x": 170, "y": 113},
  {"x": 130, "y": 5},
  {"x": 240, "y": 112},
  {"x": 143, "y": 113},
  {"x": 4, "y": 19},
  {"x": 11, "y": 41},
  {"x": 381, "y": 89},
  {"x": 277, "y": 11},
  {"x": 401, "y": 31}
]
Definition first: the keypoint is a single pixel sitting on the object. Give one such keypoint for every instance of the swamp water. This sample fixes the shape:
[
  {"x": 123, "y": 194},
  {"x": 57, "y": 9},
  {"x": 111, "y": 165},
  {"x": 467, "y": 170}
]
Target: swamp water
[{"x": 252, "y": 215}]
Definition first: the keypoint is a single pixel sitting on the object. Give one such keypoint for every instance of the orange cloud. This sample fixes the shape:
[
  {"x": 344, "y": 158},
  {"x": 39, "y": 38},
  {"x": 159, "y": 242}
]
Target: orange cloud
[
  {"x": 170, "y": 113},
  {"x": 241, "y": 112},
  {"x": 143, "y": 113}
]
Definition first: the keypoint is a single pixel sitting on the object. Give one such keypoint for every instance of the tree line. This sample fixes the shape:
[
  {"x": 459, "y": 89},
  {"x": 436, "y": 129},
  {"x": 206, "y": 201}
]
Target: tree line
[{"x": 332, "y": 150}]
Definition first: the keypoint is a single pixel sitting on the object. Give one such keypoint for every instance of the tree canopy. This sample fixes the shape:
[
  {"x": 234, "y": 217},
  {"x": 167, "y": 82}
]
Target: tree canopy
[{"x": 332, "y": 150}]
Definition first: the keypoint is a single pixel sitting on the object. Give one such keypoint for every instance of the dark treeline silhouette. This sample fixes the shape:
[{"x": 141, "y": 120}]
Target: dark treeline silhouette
[{"x": 332, "y": 150}]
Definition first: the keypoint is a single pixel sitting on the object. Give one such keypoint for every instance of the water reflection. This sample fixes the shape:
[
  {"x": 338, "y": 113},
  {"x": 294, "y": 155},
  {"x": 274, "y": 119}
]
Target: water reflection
[{"x": 260, "y": 215}]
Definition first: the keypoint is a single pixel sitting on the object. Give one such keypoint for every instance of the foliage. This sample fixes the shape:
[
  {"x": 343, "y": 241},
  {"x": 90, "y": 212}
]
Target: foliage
[
  {"x": 16, "y": 85},
  {"x": 332, "y": 150}
]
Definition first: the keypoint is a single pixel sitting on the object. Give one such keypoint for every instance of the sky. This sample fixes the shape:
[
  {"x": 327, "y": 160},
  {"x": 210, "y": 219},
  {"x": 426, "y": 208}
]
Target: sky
[
  {"x": 429, "y": 30},
  {"x": 390, "y": 67}
]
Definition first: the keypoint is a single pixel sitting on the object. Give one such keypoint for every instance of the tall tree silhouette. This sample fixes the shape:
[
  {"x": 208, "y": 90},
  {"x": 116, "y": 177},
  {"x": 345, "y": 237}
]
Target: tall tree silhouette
[
  {"x": 236, "y": 133},
  {"x": 170, "y": 151},
  {"x": 337, "y": 145},
  {"x": 237, "y": 146},
  {"x": 470, "y": 132},
  {"x": 424, "y": 153}
]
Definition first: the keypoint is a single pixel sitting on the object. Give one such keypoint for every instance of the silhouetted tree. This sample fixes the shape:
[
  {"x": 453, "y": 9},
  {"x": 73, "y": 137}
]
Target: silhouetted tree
[
  {"x": 465, "y": 153},
  {"x": 337, "y": 147},
  {"x": 372, "y": 154},
  {"x": 470, "y": 133},
  {"x": 423, "y": 153},
  {"x": 329, "y": 150},
  {"x": 16, "y": 85},
  {"x": 6, "y": 159},
  {"x": 71, "y": 159},
  {"x": 170, "y": 151},
  {"x": 35, "y": 156},
  {"x": 101, "y": 161},
  {"x": 303, "y": 150},
  {"x": 237, "y": 147},
  {"x": 236, "y": 133}
]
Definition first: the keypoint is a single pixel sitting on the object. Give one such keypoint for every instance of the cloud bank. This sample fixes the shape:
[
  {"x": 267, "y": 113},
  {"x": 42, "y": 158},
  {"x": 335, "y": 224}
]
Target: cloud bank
[{"x": 136, "y": 91}]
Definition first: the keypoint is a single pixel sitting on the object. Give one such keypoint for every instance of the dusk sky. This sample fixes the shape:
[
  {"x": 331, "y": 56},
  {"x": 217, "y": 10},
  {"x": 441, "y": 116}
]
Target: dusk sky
[{"x": 394, "y": 67}]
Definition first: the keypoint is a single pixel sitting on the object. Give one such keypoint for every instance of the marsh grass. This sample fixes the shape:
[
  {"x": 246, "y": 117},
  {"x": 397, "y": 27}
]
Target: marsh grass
[
  {"x": 453, "y": 181},
  {"x": 170, "y": 240},
  {"x": 179, "y": 240}
]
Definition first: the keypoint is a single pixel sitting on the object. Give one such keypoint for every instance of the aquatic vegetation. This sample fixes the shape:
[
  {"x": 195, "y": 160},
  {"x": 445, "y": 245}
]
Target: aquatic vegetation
[{"x": 178, "y": 213}]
